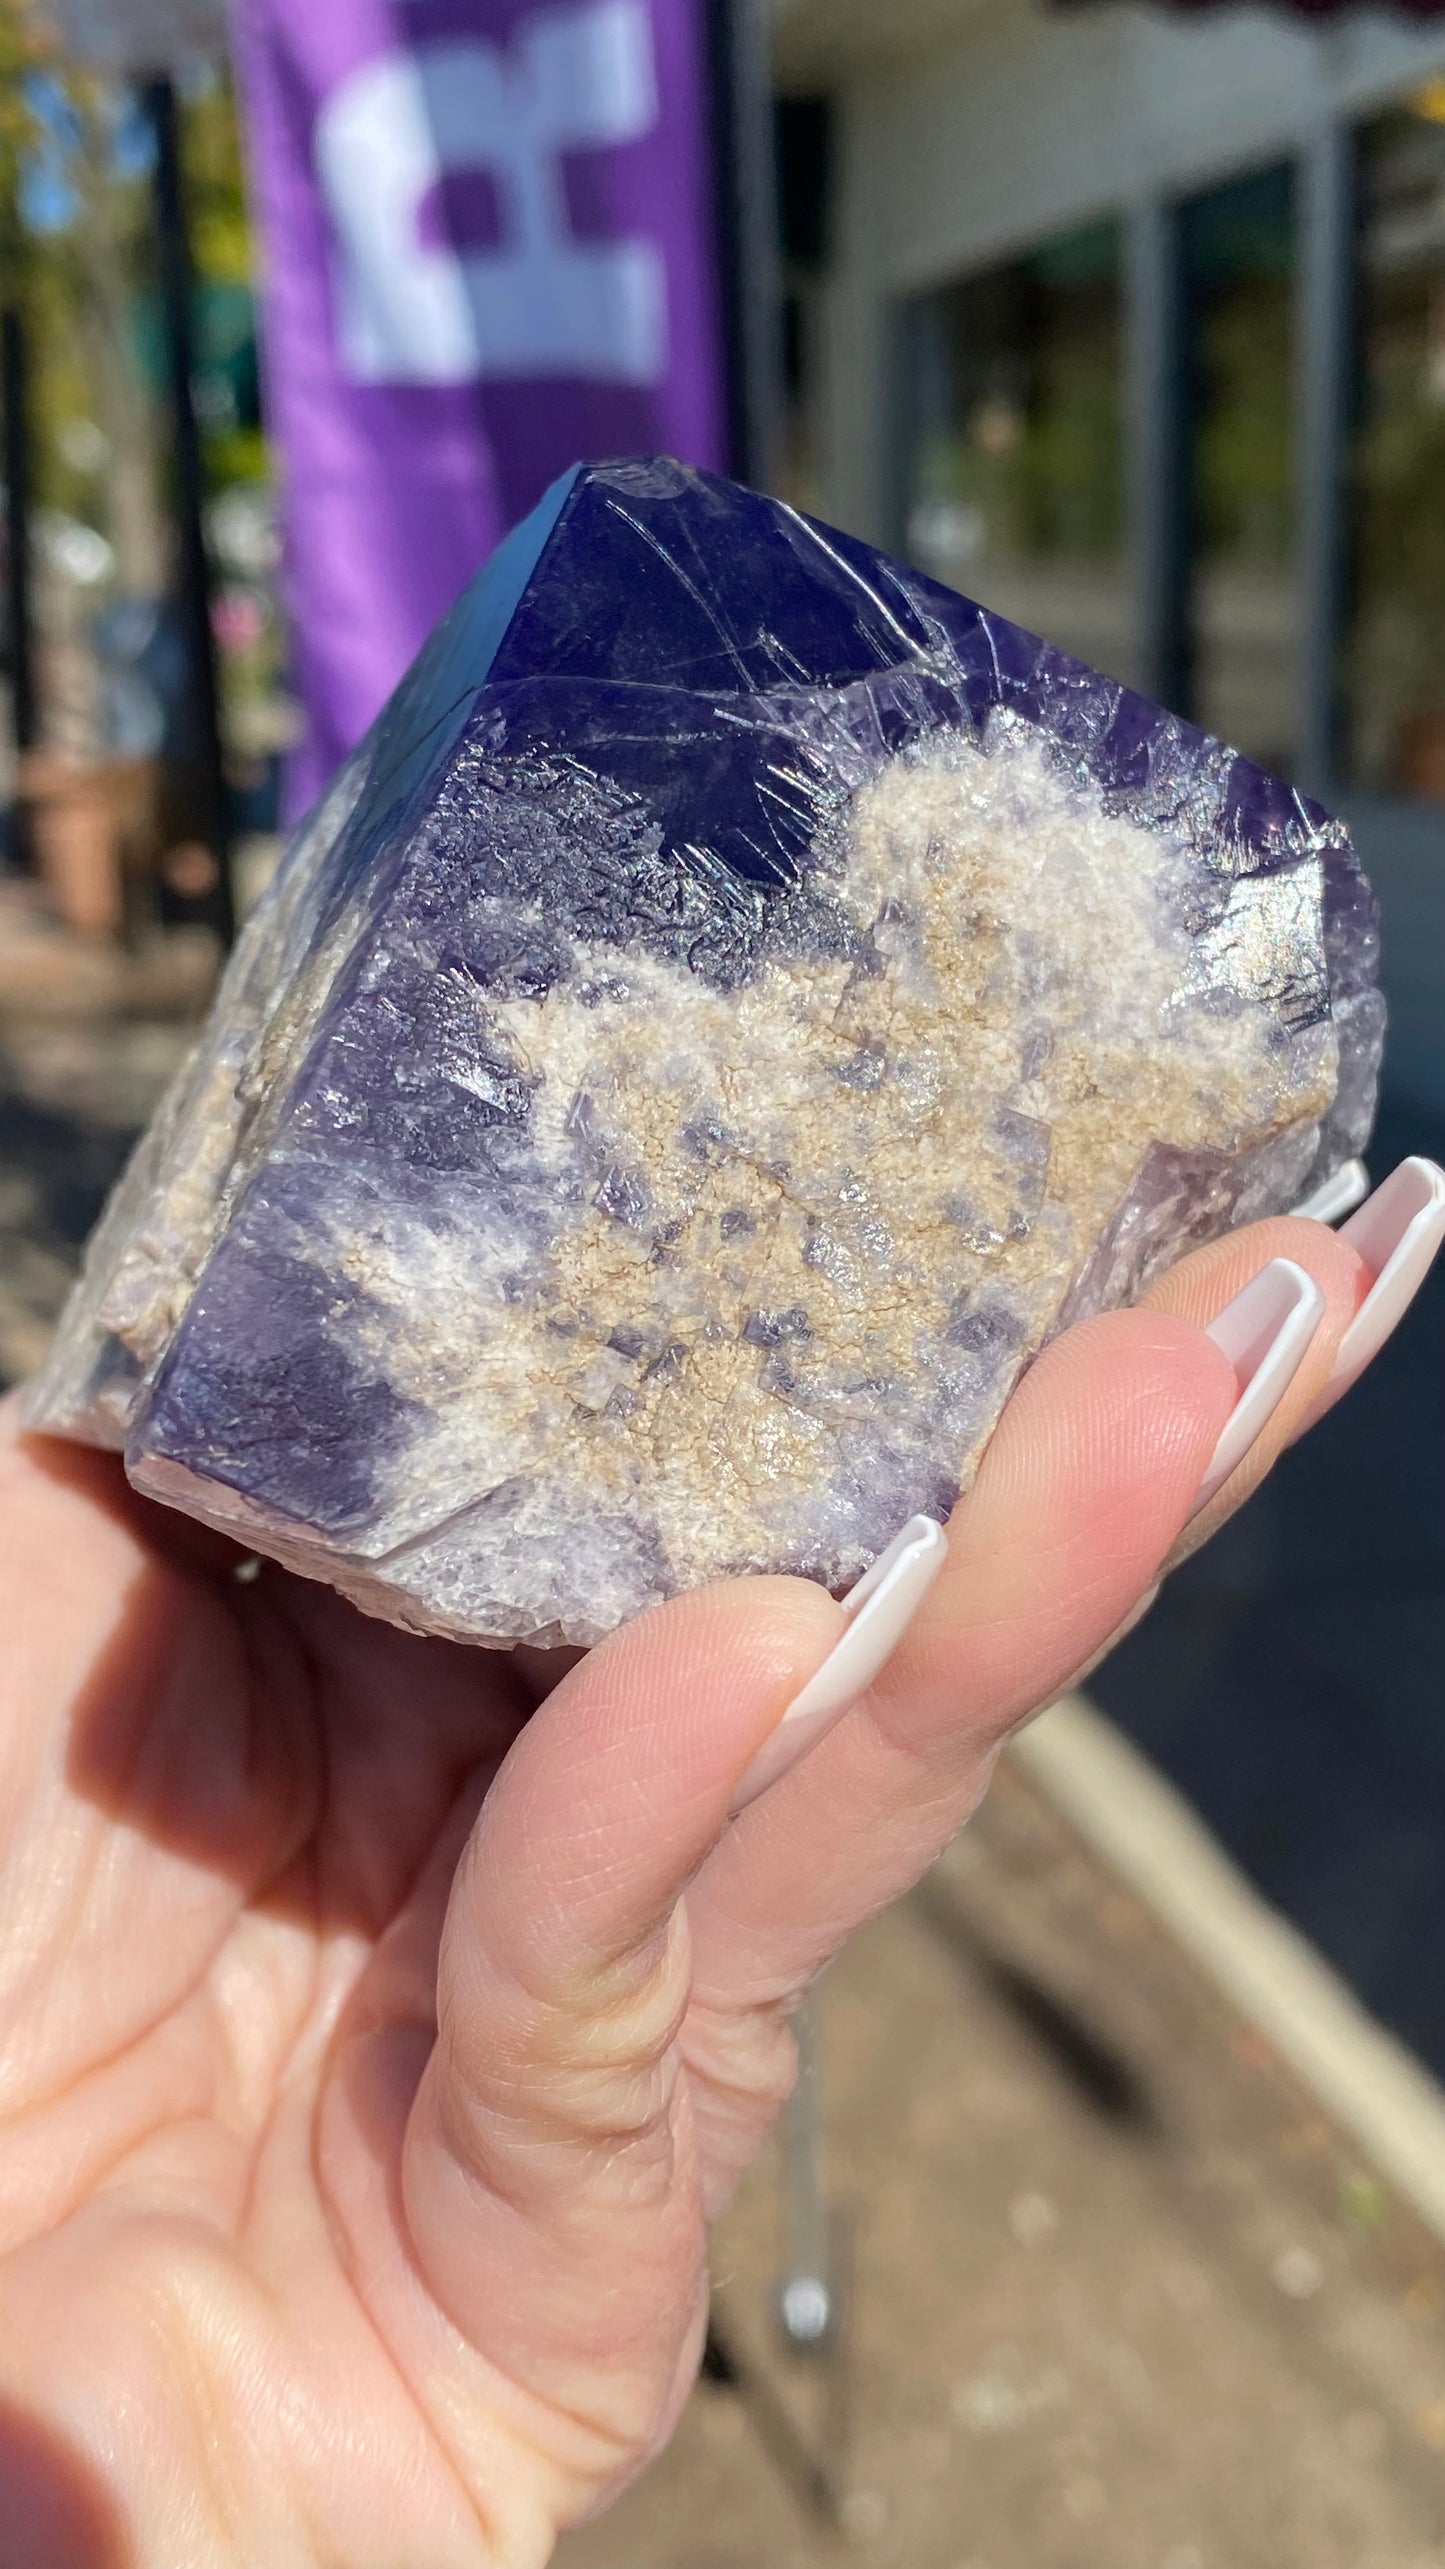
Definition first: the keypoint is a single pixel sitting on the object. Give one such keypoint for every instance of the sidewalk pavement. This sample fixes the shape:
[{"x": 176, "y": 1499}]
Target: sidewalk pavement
[{"x": 1120, "y": 2296}]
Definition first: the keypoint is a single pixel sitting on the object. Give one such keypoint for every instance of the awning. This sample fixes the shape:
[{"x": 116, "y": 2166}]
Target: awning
[
  {"x": 1288, "y": 8},
  {"x": 139, "y": 35}
]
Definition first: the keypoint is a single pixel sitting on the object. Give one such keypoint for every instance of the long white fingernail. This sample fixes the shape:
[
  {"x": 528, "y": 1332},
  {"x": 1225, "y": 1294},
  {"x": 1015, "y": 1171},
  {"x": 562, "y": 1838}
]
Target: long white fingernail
[
  {"x": 1397, "y": 1233},
  {"x": 879, "y": 1611},
  {"x": 1337, "y": 1196},
  {"x": 1264, "y": 1332}
]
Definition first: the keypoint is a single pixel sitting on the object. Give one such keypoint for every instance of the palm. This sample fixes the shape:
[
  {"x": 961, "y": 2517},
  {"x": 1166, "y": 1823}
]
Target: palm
[{"x": 227, "y": 1873}]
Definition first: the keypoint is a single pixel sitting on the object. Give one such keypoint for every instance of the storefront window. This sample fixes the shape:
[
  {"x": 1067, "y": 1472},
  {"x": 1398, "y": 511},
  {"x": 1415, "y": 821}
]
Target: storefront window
[
  {"x": 1014, "y": 478},
  {"x": 1239, "y": 263},
  {"x": 1394, "y": 667}
]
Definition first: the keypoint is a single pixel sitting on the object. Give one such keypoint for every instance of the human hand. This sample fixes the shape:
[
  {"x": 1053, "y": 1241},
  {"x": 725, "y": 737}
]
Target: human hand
[{"x": 381, "y": 2021}]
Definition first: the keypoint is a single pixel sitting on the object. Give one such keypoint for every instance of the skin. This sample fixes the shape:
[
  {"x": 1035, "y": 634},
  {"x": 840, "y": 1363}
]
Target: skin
[{"x": 381, "y": 2022}]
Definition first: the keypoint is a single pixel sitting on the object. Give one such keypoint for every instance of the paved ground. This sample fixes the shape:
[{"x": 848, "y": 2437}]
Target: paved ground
[
  {"x": 89, "y": 1035},
  {"x": 67, "y": 1122},
  {"x": 1120, "y": 2299}
]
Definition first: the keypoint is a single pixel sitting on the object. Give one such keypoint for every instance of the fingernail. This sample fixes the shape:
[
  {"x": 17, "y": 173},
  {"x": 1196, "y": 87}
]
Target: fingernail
[
  {"x": 1397, "y": 1233},
  {"x": 1337, "y": 1196},
  {"x": 1264, "y": 1332},
  {"x": 879, "y": 1611}
]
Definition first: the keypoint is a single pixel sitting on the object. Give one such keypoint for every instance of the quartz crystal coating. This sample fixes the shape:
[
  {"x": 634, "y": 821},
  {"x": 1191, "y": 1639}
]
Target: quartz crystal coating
[{"x": 738, "y": 1002}]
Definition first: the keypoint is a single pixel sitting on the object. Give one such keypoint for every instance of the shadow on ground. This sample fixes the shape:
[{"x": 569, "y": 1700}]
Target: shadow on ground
[{"x": 1289, "y": 1680}]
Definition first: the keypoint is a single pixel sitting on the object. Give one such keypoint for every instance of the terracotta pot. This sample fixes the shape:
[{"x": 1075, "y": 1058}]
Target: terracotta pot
[
  {"x": 1420, "y": 755},
  {"x": 83, "y": 819}
]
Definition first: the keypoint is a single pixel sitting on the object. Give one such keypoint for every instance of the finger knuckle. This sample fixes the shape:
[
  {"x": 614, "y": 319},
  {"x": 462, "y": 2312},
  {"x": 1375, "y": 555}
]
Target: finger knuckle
[
  {"x": 747, "y": 2057},
  {"x": 584, "y": 2076}
]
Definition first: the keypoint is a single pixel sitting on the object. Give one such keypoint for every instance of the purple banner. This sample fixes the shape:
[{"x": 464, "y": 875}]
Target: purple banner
[{"x": 489, "y": 250}]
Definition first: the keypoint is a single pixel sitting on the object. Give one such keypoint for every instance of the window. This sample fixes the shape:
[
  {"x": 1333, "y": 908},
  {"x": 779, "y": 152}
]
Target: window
[
  {"x": 1013, "y": 458},
  {"x": 1394, "y": 662},
  {"x": 1239, "y": 258}
]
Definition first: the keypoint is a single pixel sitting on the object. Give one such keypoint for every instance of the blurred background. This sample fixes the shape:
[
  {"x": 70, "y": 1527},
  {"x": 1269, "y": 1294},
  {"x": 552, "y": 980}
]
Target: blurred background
[{"x": 1118, "y": 2181}]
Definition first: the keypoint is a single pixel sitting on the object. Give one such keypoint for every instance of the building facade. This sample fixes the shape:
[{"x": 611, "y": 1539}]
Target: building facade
[{"x": 1133, "y": 326}]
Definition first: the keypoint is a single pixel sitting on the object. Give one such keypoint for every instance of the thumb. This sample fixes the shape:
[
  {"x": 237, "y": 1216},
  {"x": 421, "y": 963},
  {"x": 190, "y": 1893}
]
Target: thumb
[{"x": 549, "y": 2177}]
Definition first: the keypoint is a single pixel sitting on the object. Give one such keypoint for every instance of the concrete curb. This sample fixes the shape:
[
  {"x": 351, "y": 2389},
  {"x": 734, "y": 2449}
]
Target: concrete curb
[{"x": 1372, "y": 2087}]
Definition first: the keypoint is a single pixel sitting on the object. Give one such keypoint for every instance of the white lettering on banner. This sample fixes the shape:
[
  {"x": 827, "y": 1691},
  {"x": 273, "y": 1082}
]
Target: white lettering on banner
[{"x": 543, "y": 302}]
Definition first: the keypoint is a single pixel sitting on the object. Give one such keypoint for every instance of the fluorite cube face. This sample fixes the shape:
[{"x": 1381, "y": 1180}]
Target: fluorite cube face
[{"x": 740, "y": 1001}]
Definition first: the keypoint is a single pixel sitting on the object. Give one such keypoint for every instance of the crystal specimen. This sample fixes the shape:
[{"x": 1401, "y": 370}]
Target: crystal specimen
[{"x": 737, "y": 1003}]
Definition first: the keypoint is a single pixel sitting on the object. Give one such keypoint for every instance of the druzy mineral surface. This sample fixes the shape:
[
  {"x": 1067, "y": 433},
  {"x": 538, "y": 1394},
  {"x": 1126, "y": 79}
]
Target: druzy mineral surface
[{"x": 737, "y": 1003}]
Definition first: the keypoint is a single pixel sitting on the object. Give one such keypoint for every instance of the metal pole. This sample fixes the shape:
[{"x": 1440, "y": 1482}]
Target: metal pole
[
  {"x": 1160, "y": 480},
  {"x": 1328, "y": 381},
  {"x": 15, "y": 397},
  {"x": 806, "y": 2301},
  {"x": 745, "y": 200},
  {"x": 216, "y": 906},
  {"x": 14, "y": 389}
]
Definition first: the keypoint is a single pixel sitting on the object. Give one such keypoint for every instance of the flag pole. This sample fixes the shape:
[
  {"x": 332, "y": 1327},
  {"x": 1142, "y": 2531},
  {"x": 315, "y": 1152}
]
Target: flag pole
[
  {"x": 15, "y": 460},
  {"x": 214, "y": 907},
  {"x": 14, "y": 393}
]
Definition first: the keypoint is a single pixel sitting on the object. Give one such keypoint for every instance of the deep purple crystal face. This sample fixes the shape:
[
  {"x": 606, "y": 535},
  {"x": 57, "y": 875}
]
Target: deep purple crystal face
[{"x": 575, "y": 1216}]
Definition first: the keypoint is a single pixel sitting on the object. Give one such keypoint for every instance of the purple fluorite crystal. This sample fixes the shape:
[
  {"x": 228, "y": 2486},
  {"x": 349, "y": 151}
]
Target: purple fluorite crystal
[{"x": 737, "y": 1003}]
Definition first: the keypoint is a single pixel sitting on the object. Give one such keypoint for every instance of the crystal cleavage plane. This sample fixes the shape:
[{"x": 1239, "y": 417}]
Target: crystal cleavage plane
[{"x": 739, "y": 1001}]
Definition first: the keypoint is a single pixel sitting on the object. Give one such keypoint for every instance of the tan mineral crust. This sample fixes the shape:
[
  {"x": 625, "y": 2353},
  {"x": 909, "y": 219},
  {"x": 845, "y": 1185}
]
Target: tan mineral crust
[{"x": 841, "y": 1164}]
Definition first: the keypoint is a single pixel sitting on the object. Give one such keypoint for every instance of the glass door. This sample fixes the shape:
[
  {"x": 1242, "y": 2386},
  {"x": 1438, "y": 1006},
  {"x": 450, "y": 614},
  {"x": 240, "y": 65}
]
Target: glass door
[
  {"x": 1238, "y": 263},
  {"x": 1013, "y": 453}
]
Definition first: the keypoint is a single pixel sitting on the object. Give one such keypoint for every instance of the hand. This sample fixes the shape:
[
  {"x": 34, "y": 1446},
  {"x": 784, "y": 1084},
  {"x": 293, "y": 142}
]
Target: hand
[{"x": 382, "y": 2020}]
